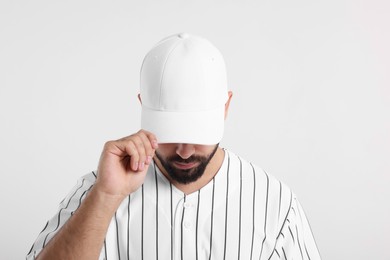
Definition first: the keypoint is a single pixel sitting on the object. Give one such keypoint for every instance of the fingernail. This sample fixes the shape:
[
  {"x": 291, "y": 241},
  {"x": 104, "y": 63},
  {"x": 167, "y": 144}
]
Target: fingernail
[
  {"x": 135, "y": 166},
  {"x": 155, "y": 144},
  {"x": 141, "y": 166},
  {"x": 148, "y": 159}
]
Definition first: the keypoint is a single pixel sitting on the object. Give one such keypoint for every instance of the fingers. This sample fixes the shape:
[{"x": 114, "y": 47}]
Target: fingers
[
  {"x": 152, "y": 138},
  {"x": 145, "y": 144},
  {"x": 138, "y": 156},
  {"x": 130, "y": 149},
  {"x": 140, "y": 147},
  {"x": 148, "y": 148}
]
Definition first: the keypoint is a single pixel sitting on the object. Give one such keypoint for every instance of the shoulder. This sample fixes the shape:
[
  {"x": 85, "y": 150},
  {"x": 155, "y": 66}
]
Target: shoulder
[
  {"x": 90, "y": 177},
  {"x": 79, "y": 191},
  {"x": 268, "y": 191},
  {"x": 252, "y": 172},
  {"x": 88, "y": 180}
]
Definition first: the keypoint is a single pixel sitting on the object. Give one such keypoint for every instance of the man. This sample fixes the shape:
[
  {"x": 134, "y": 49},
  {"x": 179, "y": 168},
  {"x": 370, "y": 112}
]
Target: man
[{"x": 169, "y": 191}]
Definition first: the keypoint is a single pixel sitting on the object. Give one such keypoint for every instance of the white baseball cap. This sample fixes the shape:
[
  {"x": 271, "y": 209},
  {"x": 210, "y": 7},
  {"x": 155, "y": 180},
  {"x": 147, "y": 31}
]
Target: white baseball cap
[{"x": 184, "y": 91}]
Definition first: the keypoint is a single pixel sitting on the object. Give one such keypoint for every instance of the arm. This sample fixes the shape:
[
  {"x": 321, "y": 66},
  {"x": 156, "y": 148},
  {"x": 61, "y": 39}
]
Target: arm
[
  {"x": 83, "y": 235},
  {"x": 122, "y": 169}
]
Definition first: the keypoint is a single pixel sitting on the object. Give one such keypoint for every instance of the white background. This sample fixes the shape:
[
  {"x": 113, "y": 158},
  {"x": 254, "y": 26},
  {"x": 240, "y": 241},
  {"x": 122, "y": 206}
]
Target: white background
[{"x": 311, "y": 103}]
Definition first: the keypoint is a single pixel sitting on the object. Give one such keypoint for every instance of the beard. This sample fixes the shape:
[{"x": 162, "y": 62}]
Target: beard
[{"x": 188, "y": 175}]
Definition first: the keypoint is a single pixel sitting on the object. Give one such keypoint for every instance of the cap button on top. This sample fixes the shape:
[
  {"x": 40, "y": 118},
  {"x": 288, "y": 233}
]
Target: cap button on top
[{"x": 183, "y": 35}]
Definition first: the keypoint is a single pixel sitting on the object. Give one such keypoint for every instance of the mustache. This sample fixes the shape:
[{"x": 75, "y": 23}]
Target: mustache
[{"x": 191, "y": 159}]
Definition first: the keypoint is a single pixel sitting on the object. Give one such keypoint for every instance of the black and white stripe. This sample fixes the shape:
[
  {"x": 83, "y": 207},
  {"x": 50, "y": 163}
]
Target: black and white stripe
[
  {"x": 66, "y": 209},
  {"x": 242, "y": 213}
]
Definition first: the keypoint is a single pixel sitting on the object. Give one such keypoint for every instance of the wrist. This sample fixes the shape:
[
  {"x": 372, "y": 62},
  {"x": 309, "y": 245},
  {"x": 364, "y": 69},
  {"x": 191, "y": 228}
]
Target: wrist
[{"x": 108, "y": 202}]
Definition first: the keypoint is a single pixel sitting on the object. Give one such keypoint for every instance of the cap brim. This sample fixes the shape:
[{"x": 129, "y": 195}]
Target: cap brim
[{"x": 200, "y": 127}]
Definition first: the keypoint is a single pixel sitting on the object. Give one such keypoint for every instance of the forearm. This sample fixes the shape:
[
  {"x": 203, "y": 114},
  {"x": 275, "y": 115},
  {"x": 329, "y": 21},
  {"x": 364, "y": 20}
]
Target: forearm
[{"x": 83, "y": 235}]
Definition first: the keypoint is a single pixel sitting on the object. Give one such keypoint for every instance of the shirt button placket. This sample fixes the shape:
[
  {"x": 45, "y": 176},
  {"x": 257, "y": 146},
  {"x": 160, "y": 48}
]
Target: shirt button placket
[
  {"x": 188, "y": 229},
  {"x": 187, "y": 207}
]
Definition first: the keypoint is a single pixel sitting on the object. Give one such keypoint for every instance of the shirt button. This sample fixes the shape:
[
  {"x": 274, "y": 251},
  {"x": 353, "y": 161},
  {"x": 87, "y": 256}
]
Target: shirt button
[
  {"x": 187, "y": 204},
  {"x": 187, "y": 224}
]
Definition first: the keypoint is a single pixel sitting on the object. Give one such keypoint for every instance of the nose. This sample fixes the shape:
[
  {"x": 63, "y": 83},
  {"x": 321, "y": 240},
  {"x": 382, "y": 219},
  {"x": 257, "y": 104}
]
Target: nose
[{"x": 185, "y": 151}]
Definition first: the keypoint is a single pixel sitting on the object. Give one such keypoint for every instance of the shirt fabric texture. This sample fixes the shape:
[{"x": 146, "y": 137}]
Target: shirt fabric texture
[{"x": 242, "y": 213}]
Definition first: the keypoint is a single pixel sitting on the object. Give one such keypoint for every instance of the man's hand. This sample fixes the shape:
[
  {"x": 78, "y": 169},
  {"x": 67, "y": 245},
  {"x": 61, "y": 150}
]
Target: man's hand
[
  {"x": 124, "y": 163},
  {"x": 122, "y": 170}
]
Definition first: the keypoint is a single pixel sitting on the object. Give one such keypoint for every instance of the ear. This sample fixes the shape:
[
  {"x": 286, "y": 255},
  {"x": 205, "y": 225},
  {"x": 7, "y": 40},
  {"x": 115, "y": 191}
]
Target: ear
[
  {"x": 139, "y": 98},
  {"x": 230, "y": 94}
]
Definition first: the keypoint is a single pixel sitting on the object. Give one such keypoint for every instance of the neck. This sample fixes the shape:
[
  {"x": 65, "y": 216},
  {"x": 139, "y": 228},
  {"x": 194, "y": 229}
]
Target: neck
[{"x": 211, "y": 170}]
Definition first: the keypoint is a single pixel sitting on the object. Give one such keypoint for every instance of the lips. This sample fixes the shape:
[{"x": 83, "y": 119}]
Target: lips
[{"x": 185, "y": 166}]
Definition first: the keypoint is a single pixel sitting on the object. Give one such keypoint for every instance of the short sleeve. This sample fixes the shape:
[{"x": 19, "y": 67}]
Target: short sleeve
[
  {"x": 65, "y": 211},
  {"x": 295, "y": 239}
]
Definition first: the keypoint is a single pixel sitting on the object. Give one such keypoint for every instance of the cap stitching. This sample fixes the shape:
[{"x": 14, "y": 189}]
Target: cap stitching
[{"x": 163, "y": 72}]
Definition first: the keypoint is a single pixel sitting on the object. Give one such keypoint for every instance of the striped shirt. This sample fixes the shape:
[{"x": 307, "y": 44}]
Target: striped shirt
[{"x": 242, "y": 213}]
